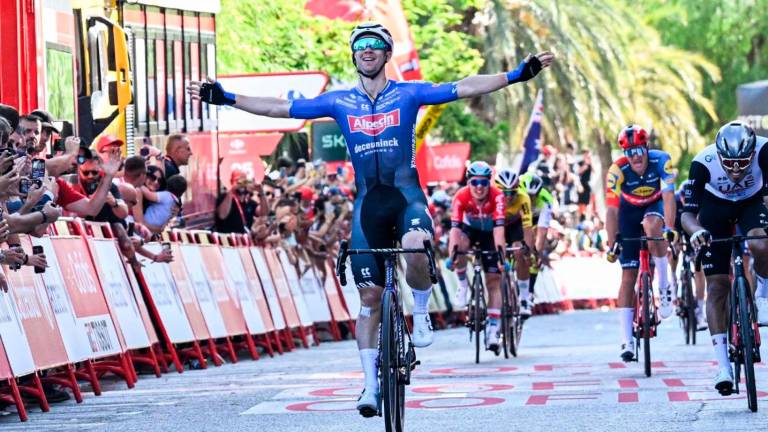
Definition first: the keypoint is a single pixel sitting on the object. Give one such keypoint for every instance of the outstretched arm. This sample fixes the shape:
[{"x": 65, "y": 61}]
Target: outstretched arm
[
  {"x": 212, "y": 93},
  {"x": 478, "y": 85}
]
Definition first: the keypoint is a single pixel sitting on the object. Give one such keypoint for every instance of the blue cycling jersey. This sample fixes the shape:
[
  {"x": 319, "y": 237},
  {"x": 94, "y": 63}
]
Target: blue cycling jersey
[{"x": 380, "y": 133}]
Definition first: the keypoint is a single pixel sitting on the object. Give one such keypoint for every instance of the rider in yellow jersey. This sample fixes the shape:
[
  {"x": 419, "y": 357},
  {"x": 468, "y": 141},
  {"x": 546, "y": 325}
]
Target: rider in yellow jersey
[{"x": 518, "y": 227}]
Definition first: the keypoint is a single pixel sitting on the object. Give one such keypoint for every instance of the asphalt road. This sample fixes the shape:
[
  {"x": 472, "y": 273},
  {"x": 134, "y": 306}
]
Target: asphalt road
[{"x": 568, "y": 378}]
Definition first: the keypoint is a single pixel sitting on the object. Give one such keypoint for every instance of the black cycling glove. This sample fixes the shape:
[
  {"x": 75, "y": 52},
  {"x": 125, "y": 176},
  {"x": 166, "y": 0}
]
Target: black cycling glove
[
  {"x": 214, "y": 94},
  {"x": 525, "y": 71}
]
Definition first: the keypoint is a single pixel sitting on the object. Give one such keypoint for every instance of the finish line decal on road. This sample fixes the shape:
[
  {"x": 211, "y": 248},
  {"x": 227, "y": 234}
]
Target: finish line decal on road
[{"x": 537, "y": 385}]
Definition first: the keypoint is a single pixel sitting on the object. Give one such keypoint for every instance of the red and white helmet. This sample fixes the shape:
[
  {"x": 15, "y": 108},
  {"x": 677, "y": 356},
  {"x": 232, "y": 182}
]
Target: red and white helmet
[{"x": 632, "y": 136}]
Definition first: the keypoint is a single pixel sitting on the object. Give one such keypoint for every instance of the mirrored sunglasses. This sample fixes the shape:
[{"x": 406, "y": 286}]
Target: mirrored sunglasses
[
  {"x": 735, "y": 164},
  {"x": 480, "y": 182},
  {"x": 634, "y": 151},
  {"x": 368, "y": 42}
]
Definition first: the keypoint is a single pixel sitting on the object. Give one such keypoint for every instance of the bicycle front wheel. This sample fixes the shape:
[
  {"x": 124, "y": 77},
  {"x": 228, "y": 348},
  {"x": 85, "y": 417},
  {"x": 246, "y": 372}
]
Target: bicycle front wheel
[
  {"x": 690, "y": 300},
  {"x": 647, "y": 299},
  {"x": 747, "y": 337},
  {"x": 506, "y": 314},
  {"x": 392, "y": 391},
  {"x": 478, "y": 318}
]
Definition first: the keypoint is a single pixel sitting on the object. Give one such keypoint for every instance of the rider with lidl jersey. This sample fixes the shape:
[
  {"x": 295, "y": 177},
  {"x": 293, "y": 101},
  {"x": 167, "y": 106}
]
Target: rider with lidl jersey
[
  {"x": 640, "y": 199},
  {"x": 517, "y": 229},
  {"x": 477, "y": 220},
  {"x": 378, "y": 119},
  {"x": 725, "y": 191},
  {"x": 542, "y": 209}
]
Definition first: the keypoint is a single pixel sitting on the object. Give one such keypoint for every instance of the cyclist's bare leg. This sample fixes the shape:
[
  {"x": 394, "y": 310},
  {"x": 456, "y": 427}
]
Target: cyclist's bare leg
[
  {"x": 522, "y": 263},
  {"x": 653, "y": 226},
  {"x": 626, "y": 303},
  {"x": 759, "y": 249},
  {"x": 417, "y": 268},
  {"x": 367, "y": 326},
  {"x": 701, "y": 285},
  {"x": 493, "y": 284},
  {"x": 718, "y": 290}
]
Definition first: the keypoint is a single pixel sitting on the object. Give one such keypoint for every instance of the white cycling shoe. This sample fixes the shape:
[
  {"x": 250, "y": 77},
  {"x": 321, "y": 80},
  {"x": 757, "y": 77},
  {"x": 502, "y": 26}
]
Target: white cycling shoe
[
  {"x": 665, "y": 307},
  {"x": 701, "y": 319},
  {"x": 492, "y": 343},
  {"x": 724, "y": 381},
  {"x": 460, "y": 300},
  {"x": 423, "y": 334},
  {"x": 526, "y": 308},
  {"x": 368, "y": 403},
  {"x": 628, "y": 351},
  {"x": 761, "y": 303}
]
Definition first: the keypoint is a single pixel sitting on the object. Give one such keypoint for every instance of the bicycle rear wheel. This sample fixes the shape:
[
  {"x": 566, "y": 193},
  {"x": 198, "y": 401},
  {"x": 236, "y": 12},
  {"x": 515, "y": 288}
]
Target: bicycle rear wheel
[
  {"x": 690, "y": 300},
  {"x": 506, "y": 314},
  {"x": 646, "y": 328},
  {"x": 477, "y": 288},
  {"x": 392, "y": 390},
  {"x": 747, "y": 338}
]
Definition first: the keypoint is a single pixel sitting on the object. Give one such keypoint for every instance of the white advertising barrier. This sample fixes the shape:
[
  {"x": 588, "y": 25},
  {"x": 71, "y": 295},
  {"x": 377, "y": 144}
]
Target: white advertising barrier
[
  {"x": 547, "y": 289},
  {"x": 349, "y": 291},
  {"x": 314, "y": 294},
  {"x": 193, "y": 261},
  {"x": 114, "y": 281},
  {"x": 73, "y": 335},
  {"x": 587, "y": 278},
  {"x": 289, "y": 85},
  {"x": 167, "y": 300},
  {"x": 269, "y": 287},
  {"x": 236, "y": 276},
  {"x": 14, "y": 339},
  {"x": 295, "y": 285}
]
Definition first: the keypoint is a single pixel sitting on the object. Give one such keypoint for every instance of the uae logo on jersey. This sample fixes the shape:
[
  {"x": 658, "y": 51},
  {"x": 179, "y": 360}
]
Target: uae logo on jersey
[{"x": 375, "y": 124}]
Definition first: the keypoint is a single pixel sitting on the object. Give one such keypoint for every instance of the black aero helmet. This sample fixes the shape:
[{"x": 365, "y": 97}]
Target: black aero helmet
[{"x": 735, "y": 140}]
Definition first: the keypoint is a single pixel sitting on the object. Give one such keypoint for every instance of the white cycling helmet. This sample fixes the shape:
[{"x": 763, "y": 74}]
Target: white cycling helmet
[
  {"x": 534, "y": 184},
  {"x": 372, "y": 28},
  {"x": 507, "y": 180}
]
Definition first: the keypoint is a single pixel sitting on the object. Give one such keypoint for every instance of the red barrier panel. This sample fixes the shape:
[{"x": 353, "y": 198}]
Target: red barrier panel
[
  {"x": 254, "y": 285},
  {"x": 270, "y": 292},
  {"x": 284, "y": 295},
  {"x": 14, "y": 396},
  {"x": 297, "y": 292}
]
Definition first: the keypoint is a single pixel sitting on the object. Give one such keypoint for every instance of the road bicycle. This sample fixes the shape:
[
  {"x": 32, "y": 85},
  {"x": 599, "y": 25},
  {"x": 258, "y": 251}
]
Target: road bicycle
[
  {"x": 397, "y": 356},
  {"x": 743, "y": 332},
  {"x": 687, "y": 299},
  {"x": 511, "y": 321}
]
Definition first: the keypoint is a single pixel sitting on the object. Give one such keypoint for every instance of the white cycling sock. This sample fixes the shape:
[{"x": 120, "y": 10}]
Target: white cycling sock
[
  {"x": 700, "y": 304},
  {"x": 662, "y": 269},
  {"x": 368, "y": 358},
  {"x": 762, "y": 286},
  {"x": 421, "y": 300},
  {"x": 720, "y": 344},
  {"x": 525, "y": 288},
  {"x": 626, "y": 316}
]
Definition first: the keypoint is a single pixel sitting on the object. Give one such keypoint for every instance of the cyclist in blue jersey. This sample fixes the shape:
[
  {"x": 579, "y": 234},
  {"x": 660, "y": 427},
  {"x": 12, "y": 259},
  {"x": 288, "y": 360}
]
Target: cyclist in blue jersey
[{"x": 378, "y": 120}]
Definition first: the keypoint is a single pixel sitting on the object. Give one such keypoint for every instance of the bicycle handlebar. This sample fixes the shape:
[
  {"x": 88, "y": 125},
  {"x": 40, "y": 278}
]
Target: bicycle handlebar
[
  {"x": 619, "y": 240},
  {"x": 731, "y": 240},
  {"x": 344, "y": 252}
]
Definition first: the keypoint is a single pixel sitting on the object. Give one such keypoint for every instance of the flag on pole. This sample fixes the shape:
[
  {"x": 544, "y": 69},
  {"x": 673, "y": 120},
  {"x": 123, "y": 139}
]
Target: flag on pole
[{"x": 532, "y": 142}]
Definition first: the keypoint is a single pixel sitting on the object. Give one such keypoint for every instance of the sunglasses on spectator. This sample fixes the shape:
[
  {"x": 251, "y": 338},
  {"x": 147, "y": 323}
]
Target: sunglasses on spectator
[
  {"x": 154, "y": 178},
  {"x": 634, "y": 151},
  {"x": 735, "y": 164},
  {"x": 480, "y": 182},
  {"x": 90, "y": 173},
  {"x": 269, "y": 194},
  {"x": 242, "y": 192},
  {"x": 368, "y": 42}
]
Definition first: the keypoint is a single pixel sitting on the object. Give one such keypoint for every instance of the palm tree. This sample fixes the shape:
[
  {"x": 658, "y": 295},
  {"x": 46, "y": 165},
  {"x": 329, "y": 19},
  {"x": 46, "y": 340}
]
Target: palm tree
[{"x": 611, "y": 70}]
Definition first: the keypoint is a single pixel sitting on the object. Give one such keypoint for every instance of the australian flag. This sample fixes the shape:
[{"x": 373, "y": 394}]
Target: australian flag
[{"x": 532, "y": 143}]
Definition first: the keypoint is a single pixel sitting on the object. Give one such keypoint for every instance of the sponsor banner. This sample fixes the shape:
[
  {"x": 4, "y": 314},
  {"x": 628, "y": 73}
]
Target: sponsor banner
[
  {"x": 427, "y": 123},
  {"x": 285, "y": 85},
  {"x": 254, "y": 284},
  {"x": 328, "y": 143},
  {"x": 270, "y": 292},
  {"x": 243, "y": 152},
  {"x": 119, "y": 293},
  {"x": 351, "y": 296},
  {"x": 313, "y": 291},
  {"x": 14, "y": 340},
  {"x": 294, "y": 284},
  {"x": 88, "y": 301},
  {"x": 36, "y": 316},
  {"x": 166, "y": 298},
  {"x": 5, "y": 365},
  {"x": 751, "y": 99},
  {"x": 193, "y": 261},
  {"x": 176, "y": 272},
  {"x": 133, "y": 282},
  {"x": 282, "y": 289},
  {"x": 373, "y": 124},
  {"x": 73, "y": 336},
  {"x": 238, "y": 278},
  {"x": 332, "y": 294},
  {"x": 580, "y": 283},
  {"x": 443, "y": 163},
  {"x": 223, "y": 290}
]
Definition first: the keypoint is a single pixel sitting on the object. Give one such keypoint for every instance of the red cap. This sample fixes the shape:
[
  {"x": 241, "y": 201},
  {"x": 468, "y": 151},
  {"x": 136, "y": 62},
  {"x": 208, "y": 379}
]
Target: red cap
[
  {"x": 307, "y": 194},
  {"x": 548, "y": 150},
  {"x": 107, "y": 140},
  {"x": 235, "y": 176}
]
